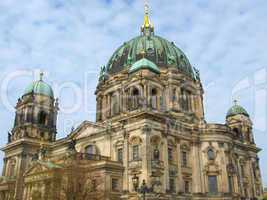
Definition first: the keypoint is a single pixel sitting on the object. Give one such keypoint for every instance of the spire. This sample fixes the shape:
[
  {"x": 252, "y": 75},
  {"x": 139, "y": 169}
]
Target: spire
[{"x": 147, "y": 28}]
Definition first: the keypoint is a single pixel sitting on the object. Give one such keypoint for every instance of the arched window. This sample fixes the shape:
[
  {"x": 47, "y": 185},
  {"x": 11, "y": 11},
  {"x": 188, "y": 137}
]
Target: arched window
[
  {"x": 154, "y": 97},
  {"x": 213, "y": 184},
  {"x": 174, "y": 95},
  {"x": 156, "y": 154},
  {"x": 135, "y": 150},
  {"x": 170, "y": 154},
  {"x": 211, "y": 154},
  {"x": 185, "y": 100},
  {"x": 120, "y": 154},
  {"x": 42, "y": 118},
  {"x": 135, "y": 99},
  {"x": 114, "y": 105},
  {"x": 238, "y": 134},
  {"x": 184, "y": 159},
  {"x": 89, "y": 149}
]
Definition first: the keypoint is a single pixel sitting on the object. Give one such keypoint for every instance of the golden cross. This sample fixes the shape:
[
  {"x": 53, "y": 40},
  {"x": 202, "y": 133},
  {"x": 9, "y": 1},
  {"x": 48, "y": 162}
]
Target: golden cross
[{"x": 146, "y": 20}]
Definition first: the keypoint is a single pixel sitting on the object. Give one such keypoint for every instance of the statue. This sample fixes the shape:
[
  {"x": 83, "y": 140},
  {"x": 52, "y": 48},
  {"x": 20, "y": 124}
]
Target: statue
[
  {"x": 171, "y": 60},
  {"x": 35, "y": 157},
  {"x": 197, "y": 73},
  {"x": 102, "y": 73},
  {"x": 42, "y": 152},
  {"x": 129, "y": 60},
  {"x": 9, "y": 137},
  {"x": 72, "y": 145}
]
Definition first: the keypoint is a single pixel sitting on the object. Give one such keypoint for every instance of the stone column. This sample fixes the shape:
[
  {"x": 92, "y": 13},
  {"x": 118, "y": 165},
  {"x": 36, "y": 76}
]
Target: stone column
[
  {"x": 224, "y": 175},
  {"x": 167, "y": 96},
  {"x": 146, "y": 158},
  {"x": 108, "y": 106},
  {"x": 252, "y": 178},
  {"x": 240, "y": 181},
  {"x": 25, "y": 192},
  {"x": 120, "y": 100},
  {"x": 192, "y": 106},
  {"x": 4, "y": 173},
  {"x": 166, "y": 164},
  {"x": 104, "y": 114},
  {"x": 126, "y": 180},
  {"x": 145, "y": 94},
  {"x": 179, "y": 185},
  {"x": 200, "y": 108},
  {"x": 196, "y": 168}
]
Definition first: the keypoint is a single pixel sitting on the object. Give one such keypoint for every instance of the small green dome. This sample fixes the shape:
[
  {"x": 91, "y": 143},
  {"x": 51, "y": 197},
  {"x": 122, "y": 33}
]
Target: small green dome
[
  {"x": 39, "y": 87},
  {"x": 144, "y": 64},
  {"x": 161, "y": 52},
  {"x": 237, "y": 110}
]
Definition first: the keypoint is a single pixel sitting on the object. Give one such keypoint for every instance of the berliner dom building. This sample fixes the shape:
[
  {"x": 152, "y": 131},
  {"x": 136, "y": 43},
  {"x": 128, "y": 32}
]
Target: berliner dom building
[{"x": 150, "y": 139}]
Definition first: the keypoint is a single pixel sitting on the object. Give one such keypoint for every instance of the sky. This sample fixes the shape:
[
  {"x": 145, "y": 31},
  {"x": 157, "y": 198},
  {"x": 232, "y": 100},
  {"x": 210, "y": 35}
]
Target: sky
[{"x": 71, "y": 39}]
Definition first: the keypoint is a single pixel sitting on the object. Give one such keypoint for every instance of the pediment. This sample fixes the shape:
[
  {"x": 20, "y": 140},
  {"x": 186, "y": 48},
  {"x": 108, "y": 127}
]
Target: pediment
[
  {"x": 86, "y": 129},
  {"x": 36, "y": 168},
  {"x": 40, "y": 167}
]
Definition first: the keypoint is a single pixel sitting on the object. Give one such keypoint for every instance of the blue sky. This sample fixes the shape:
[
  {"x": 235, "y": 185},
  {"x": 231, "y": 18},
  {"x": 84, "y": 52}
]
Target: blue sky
[{"x": 70, "y": 39}]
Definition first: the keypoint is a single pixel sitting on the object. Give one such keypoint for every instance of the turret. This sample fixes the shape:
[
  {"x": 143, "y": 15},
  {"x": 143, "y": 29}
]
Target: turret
[
  {"x": 239, "y": 121},
  {"x": 35, "y": 125},
  {"x": 36, "y": 113}
]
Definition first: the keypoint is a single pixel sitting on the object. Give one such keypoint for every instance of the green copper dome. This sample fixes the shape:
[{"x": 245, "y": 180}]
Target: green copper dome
[
  {"x": 39, "y": 87},
  {"x": 144, "y": 64},
  {"x": 158, "y": 50},
  {"x": 237, "y": 110}
]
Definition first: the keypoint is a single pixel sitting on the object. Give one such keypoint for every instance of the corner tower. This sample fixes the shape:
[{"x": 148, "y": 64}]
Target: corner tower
[{"x": 35, "y": 124}]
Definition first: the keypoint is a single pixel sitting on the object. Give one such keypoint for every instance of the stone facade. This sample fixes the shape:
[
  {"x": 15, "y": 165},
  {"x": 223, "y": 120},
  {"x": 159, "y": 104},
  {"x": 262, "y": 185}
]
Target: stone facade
[{"x": 150, "y": 138}]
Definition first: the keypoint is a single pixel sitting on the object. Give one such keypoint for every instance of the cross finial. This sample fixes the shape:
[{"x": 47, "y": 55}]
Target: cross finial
[
  {"x": 41, "y": 75},
  {"x": 146, "y": 20},
  {"x": 235, "y": 102},
  {"x": 147, "y": 28},
  {"x": 146, "y": 7}
]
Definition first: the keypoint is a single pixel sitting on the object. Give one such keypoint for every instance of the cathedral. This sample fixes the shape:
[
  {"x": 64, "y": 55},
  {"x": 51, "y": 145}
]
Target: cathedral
[{"x": 150, "y": 140}]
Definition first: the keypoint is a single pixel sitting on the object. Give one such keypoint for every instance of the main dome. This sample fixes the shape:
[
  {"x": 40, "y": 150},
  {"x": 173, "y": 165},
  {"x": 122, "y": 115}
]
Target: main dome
[{"x": 154, "y": 48}]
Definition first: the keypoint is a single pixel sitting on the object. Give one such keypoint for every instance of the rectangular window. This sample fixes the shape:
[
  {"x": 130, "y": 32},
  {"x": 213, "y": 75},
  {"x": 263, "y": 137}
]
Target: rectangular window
[
  {"x": 172, "y": 185},
  {"x": 186, "y": 187},
  {"x": 170, "y": 156},
  {"x": 184, "y": 159},
  {"x": 230, "y": 184},
  {"x": 115, "y": 184},
  {"x": 213, "y": 185},
  {"x": 136, "y": 152},
  {"x": 120, "y": 155}
]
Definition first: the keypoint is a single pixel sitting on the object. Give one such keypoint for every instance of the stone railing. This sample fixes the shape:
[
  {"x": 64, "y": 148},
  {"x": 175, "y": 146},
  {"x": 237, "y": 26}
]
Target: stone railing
[
  {"x": 94, "y": 157},
  {"x": 157, "y": 164},
  {"x": 135, "y": 164}
]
